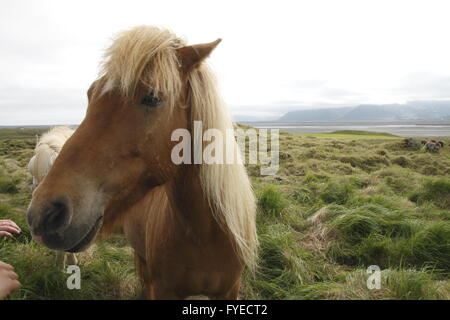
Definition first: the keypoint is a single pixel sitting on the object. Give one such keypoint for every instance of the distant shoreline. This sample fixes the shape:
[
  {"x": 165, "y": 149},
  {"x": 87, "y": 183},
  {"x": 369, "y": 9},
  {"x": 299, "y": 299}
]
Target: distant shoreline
[{"x": 398, "y": 128}]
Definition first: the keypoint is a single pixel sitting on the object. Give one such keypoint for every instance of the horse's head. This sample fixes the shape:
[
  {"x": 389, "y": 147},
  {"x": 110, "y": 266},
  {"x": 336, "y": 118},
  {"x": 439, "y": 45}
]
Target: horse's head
[{"x": 123, "y": 146}]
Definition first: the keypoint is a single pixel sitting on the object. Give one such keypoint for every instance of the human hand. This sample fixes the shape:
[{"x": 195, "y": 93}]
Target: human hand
[
  {"x": 8, "y": 228},
  {"x": 8, "y": 280}
]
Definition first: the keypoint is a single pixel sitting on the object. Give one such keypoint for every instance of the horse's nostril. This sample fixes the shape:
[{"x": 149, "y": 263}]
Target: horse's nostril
[{"x": 55, "y": 216}]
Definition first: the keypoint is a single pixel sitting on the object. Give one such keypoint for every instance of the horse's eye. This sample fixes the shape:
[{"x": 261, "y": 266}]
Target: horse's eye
[{"x": 151, "y": 100}]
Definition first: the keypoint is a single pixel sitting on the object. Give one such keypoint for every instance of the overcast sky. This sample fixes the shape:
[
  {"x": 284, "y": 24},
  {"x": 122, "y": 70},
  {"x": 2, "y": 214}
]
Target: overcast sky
[{"x": 275, "y": 56}]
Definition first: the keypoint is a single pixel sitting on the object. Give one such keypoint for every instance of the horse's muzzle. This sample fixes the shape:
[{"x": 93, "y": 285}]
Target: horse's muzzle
[{"x": 53, "y": 225}]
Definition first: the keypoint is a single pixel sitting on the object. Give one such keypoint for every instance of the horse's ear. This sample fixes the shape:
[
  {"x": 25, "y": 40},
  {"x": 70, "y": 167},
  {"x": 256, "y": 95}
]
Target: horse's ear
[{"x": 191, "y": 56}]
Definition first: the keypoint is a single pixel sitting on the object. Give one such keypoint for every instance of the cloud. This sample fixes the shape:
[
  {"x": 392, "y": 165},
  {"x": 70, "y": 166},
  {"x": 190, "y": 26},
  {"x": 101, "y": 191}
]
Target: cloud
[
  {"x": 319, "y": 92},
  {"x": 424, "y": 85},
  {"x": 41, "y": 106},
  {"x": 295, "y": 55},
  {"x": 340, "y": 95}
]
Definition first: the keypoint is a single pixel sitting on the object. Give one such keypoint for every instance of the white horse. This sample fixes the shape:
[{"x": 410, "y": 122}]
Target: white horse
[{"x": 47, "y": 149}]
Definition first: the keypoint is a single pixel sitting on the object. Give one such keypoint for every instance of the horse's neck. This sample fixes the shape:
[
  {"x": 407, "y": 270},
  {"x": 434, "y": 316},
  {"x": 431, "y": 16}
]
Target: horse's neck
[
  {"x": 189, "y": 204},
  {"x": 175, "y": 211}
]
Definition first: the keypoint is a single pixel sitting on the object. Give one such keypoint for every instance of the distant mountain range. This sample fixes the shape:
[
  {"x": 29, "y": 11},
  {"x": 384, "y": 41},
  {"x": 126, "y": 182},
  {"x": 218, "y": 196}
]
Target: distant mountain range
[{"x": 411, "y": 111}]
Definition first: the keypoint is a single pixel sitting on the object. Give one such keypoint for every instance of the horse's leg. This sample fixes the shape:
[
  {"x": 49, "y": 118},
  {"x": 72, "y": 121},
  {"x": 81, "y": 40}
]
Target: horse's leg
[
  {"x": 72, "y": 259},
  {"x": 232, "y": 294},
  {"x": 60, "y": 260},
  {"x": 158, "y": 292}
]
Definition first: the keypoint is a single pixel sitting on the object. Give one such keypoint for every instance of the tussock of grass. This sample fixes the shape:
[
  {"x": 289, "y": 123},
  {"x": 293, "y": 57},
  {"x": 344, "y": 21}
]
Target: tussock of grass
[
  {"x": 8, "y": 185},
  {"x": 271, "y": 201},
  {"x": 366, "y": 163},
  {"x": 385, "y": 237},
  {"x": 303, "y": 195},
  {"x": 431, "y": 245},
  {"x": 283, "y": 265},
  {"x": 413, "y": 285},
  {"x": 4, "y": 210},
  {"x": 436, "y": 191},
  {"x": 399, "y": 284},
  {"x": 337, "y": 192}
]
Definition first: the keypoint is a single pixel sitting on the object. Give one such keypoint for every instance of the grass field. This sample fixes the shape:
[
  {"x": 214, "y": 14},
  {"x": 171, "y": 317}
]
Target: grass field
[{"x": 340, "y": 203}]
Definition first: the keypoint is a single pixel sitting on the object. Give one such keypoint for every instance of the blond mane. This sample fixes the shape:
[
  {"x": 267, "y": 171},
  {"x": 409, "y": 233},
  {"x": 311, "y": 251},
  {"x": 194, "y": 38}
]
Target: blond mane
[{"x": 147, "y": 56}]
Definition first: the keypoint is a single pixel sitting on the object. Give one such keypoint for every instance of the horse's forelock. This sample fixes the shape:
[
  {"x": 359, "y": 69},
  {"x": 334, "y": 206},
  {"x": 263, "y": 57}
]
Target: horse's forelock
[{"x": 143, "y": 56}]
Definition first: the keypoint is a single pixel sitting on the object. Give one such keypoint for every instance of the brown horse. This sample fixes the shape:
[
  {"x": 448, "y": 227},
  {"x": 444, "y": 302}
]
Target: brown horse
[{"x": 192, "y": 226}]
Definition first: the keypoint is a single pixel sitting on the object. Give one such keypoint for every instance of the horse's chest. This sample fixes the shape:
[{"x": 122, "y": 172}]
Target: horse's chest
[{"x": 206, "y": 264}]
